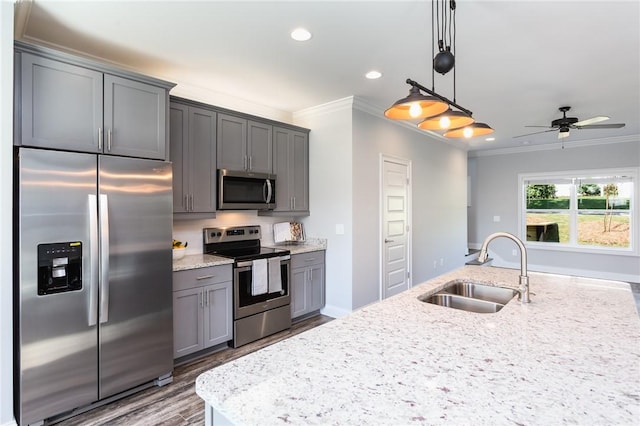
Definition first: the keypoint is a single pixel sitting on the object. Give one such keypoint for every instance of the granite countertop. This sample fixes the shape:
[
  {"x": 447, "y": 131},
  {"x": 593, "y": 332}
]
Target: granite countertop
[
  {"x": 193, "y": 261},
  {"x": 312, "y": 244},
  {"x": 570, "y": 356}
]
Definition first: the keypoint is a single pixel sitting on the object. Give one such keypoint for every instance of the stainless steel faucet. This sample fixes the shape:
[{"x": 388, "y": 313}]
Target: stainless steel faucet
[{"x": 523, "y": 290}]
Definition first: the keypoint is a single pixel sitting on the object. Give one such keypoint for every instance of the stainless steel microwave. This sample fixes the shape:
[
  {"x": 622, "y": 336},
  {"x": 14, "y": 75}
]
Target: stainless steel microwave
[{"x": 240, "y": 190}]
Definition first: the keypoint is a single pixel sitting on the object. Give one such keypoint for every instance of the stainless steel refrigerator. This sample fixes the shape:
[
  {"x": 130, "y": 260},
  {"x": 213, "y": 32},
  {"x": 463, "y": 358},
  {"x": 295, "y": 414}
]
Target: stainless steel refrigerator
[{"x": 93, "y": 279}]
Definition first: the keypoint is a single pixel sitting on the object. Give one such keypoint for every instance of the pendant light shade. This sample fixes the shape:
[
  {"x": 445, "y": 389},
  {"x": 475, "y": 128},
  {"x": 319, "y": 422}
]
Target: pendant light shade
[
  {"x": 471, "y": 131},
  {"x": 449, "y": 119},
  {"x": 415, "y": 106}
]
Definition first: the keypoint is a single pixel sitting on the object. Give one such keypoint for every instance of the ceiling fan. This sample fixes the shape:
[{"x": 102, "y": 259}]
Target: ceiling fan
[{"x": 565, "y": 124}]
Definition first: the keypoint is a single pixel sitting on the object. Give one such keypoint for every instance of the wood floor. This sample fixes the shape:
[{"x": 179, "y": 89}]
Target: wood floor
[{"x": 177, "y": 403}]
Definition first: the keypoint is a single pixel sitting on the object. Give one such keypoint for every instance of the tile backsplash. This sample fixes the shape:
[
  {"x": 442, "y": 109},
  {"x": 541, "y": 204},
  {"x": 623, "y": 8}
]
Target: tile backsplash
[{"x": 190, "y": 231}]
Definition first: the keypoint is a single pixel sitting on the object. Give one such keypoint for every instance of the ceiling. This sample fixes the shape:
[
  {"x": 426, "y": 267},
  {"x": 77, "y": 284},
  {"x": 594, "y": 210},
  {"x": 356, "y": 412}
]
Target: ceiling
[{"x": 517, "y": 62}]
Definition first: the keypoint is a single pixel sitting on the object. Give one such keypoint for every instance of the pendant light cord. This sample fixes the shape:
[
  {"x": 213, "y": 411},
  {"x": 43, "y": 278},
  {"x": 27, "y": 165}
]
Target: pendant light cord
[
  {"x": 433, "y": 77},
  {"x": 453, "y": 16}
]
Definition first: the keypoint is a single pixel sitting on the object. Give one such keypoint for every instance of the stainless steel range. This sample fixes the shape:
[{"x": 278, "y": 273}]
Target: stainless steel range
[{"x": 261, "y": 277}]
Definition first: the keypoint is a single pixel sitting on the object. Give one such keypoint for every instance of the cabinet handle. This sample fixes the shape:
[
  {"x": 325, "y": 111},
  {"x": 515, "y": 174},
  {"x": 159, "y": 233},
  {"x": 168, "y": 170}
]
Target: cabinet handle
[
  {"x": 99, "y": 138},
  {"x": 310, "y": 259},
  {"x": 191, "y": 202},
  {"x": 311, "y": 275},
  {"x": 186, "y": 203},
  {"x": 109, "y": 140},
  {"x": 202, "y": 299},
  {"x": 205, "y": 277},
  {"x": 245, "y": 162},
  {"x": 250, "y": 162},
  {"x": 294, "y": 203}
]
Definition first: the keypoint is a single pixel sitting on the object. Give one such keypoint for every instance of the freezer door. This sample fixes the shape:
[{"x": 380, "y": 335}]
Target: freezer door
[
  {"x": 56, "y": 332},
  {"x": 136, "y": 322}
]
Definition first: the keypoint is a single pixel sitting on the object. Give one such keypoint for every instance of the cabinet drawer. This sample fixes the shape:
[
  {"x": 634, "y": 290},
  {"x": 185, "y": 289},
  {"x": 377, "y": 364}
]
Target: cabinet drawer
[
  {"x": 202, "y": 276},
  {"x": 306, "y": 259}
]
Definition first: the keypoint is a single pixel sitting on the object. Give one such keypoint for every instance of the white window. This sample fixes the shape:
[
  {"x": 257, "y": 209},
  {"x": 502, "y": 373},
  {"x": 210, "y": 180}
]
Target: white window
[{"x": 587, "y": 210}]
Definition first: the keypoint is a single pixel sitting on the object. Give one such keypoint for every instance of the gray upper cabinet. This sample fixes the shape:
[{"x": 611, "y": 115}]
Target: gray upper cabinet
[
  {"x": 193, "y": 154},
  {"x": 291, "y": 166},
  {"x": 78, "y": 105},
  {"x": 244, "y": 144},
  {"x": 134, "y": 118},
  {"x": 61, "y": 105}
]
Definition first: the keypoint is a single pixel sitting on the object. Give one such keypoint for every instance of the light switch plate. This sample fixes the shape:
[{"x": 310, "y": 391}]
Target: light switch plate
[
  {"x": 339, "y": 229},
  {"x": 496, "y": 218}
]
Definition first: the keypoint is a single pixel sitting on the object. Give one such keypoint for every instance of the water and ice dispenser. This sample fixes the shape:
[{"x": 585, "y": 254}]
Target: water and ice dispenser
[{"x": 59, "y": 267}]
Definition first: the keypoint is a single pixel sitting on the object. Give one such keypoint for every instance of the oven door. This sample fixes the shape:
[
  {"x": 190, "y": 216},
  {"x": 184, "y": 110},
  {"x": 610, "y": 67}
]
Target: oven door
[{"x": 245, "y": 303}]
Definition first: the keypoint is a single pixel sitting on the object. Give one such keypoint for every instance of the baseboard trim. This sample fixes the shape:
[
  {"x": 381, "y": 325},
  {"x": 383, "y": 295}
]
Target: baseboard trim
[{"x": 334, "y": 311}]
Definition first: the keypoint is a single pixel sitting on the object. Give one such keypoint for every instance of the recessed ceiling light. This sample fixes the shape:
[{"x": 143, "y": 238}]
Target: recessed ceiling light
[
  {"x": 490, "y": 139},
  {"x": 372, "y": 75},
  {"x": 300, "y": 34}
]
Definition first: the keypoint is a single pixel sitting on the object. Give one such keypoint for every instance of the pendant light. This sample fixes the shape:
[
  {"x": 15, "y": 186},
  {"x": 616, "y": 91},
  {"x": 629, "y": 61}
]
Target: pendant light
[
  {"x": 470, "y": 131},
  {"x": 435, "y": 109},
  {"x": 415, "y": 106},
  {"x": 449, "y": 119}
]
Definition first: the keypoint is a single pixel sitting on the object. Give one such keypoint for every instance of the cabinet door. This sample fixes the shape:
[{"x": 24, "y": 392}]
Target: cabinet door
[
  {"x": 134, "y": 118},
  {"x": 218, "y": 315},
  {"x": 187, "y": 321},
  {"x": 260, "y": 147},
  {"x": 178, "y": 155},
  {"x": 298, "y": 292},
  {"x": 232, "y": 142},
  {"x": 300, "y": 166},
  {"x": 281, "y": 169},
  {"x": 202, "y": 160},
  {"x": 61, "y": 105},
  {"x": 316, "y": 288}
]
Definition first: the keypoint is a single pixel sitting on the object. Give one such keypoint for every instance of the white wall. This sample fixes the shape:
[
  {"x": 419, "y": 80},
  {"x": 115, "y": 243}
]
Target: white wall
[
  {"x": 347, "y": 140},
  {"x": 438, "y": 214},
  {"x": 496, "y": 194},
  {"x": 331, "y": 194},
  {"x": 6, "y": 166}
]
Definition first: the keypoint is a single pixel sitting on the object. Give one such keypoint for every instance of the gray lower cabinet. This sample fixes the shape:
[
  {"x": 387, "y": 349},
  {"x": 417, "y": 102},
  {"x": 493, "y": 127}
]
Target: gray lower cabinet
[
  {"x": 307, "y": 283},
  {"x": 193, "y": 154},
  {"x": 67, "y": 106},
  {"x": 202, "y": 309},
  {"x": 291, "y": 166},
  {"x": 244, "y": 144}
]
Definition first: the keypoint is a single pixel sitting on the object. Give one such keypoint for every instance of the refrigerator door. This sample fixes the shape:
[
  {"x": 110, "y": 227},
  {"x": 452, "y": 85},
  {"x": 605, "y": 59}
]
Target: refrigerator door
[
  {"x": 56, "y": 349},
  {"x": 136, "y": 322}
]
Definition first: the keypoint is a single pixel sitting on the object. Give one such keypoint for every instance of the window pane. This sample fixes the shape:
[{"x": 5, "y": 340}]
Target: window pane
[
  {"x": 550, "y": 227},
  {"x": 600, "y": 228},
  {"x": 548, "y": 196},
  {"x": 604, "y": 196}
]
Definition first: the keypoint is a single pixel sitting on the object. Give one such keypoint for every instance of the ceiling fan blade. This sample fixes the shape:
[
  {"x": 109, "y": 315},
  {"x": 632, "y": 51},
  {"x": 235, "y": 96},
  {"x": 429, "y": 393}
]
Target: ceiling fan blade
[
  {"x": 602, "y": 126},
  {"x": 545, "y": 127},
  {"x": 535, "y": 133},
  {"x": 591, "y": 121}
]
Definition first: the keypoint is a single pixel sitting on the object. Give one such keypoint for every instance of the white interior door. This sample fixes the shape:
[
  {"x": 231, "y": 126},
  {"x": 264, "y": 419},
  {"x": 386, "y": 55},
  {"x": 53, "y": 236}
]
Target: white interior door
[{"x": 395, "y": 224}]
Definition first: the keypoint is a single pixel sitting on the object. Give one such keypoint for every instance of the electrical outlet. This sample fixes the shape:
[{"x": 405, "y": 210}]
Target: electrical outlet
[
  {"x": 496, "y": 218},
  {"x": 435, "y": 264},
  {"x": 441, "y": 261}
]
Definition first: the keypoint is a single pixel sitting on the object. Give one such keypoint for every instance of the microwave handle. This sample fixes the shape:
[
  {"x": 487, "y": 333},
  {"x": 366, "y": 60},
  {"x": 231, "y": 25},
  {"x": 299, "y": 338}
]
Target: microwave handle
[{"x": 269, "y": 191}]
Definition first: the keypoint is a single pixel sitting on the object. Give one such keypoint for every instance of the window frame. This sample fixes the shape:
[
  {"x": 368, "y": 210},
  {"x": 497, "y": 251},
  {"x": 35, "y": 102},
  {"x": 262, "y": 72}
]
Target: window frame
[{"x": 573, "y": 211}]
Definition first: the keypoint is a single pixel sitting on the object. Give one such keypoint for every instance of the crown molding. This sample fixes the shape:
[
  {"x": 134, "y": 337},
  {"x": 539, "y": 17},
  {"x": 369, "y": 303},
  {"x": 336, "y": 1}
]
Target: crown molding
[
  {"x": 21, "y": 13},
  {"x": 554, "y": 146},
  {"x": 326, "y": 108}
]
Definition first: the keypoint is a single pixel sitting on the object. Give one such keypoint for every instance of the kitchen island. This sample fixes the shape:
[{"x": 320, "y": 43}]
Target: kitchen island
[{"x": 570, "y": 356}]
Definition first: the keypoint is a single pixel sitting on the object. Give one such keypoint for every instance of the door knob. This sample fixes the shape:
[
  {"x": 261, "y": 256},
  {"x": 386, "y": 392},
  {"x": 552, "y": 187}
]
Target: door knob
[{"x": 387, "y": 240}]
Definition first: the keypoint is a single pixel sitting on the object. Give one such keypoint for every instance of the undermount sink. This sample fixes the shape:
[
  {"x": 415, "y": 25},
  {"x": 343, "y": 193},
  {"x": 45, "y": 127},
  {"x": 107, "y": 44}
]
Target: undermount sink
[{"x": 471, "y": 297}]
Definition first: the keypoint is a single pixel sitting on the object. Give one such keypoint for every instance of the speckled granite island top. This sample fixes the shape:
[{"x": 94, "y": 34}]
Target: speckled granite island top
[{"x": 572, "y": 356}]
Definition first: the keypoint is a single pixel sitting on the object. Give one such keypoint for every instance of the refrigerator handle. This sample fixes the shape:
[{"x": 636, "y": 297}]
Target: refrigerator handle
[
  {"x": 93, "y": 260},
  {"x": 104, "y": 259}
]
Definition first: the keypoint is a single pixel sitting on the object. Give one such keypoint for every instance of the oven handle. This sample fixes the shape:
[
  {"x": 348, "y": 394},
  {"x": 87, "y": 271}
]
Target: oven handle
[{"x": 248, "y": 263}]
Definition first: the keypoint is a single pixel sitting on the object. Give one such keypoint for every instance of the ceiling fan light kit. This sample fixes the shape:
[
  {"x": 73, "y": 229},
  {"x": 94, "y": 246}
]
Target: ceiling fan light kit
[
  {"x": 565, "y": 124},
  {"x": 435, "y": 110}
]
